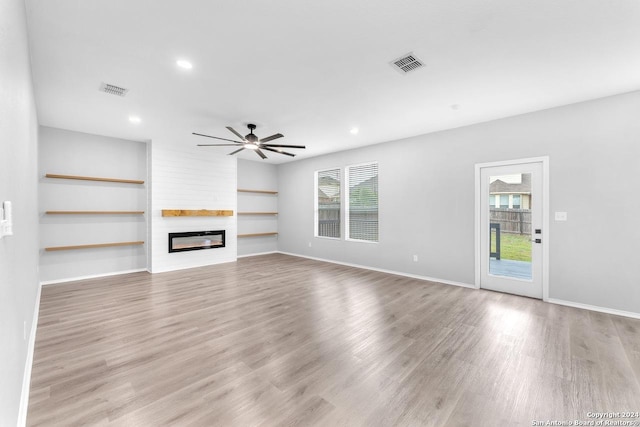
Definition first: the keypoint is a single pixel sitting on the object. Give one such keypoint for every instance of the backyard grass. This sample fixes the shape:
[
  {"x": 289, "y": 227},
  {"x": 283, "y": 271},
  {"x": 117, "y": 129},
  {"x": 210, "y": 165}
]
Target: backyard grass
[{"x": 516, "y": 247}]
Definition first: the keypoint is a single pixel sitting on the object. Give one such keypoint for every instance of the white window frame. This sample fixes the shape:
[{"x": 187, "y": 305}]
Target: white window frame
[
  {"x": 316, "y": 224},
  {"x": 347, "y": 197}
]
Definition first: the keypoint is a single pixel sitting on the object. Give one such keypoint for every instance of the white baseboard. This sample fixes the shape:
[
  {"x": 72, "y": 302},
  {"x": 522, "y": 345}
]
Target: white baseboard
[
  {"x": 595, "y": 308},
  {"x": 26, "y": 378},
  {"x": 467, "y": 285},
  {"x": 382, "y": 270},
  {"x": 258, "y": 253},
  {"x": 93, "y": 276}
]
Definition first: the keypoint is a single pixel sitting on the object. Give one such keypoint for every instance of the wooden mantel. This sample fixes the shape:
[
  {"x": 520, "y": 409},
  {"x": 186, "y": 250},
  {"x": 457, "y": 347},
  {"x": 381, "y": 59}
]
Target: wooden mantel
[{"x": 199, "y": 212}]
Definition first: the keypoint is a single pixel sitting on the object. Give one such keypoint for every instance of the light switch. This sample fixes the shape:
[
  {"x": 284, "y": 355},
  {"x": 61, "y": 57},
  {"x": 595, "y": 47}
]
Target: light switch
[{"x": 561, "y": 216}]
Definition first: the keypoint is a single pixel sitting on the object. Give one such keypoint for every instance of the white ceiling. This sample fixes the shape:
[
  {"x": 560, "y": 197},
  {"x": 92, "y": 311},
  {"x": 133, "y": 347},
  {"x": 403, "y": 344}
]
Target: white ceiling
[{"x": 313, "y": 70}]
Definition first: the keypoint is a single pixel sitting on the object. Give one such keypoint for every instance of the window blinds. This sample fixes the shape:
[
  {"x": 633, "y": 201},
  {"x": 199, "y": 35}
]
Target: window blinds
[
  {"x": 363, "y": 202},
  {"x": 328, "y": 202}
]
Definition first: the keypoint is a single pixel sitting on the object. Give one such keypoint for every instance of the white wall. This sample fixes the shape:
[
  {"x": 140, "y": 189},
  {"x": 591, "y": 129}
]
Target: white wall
[
  {"x": 427, "y": 199},
  {"x": 187, "y": 177},
  {"x": 257, "y": 175},
  {"x": 18, "y": 183},
  {"x": 73, "y": 153}
]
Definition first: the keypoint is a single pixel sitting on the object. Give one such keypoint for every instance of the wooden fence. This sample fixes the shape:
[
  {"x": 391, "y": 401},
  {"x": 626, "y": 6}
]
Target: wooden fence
[{"x": 517, "y": 221}]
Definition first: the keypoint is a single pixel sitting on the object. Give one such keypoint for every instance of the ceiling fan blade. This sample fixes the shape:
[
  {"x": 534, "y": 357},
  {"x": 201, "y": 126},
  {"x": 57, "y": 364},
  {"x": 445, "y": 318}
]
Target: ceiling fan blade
[
  {"x": 284, "y": 146},
  {"x": 237, "y": 151},
  {"x": 260, "y": 153},
  {"x": 217, "y": 137},
  {"x": 271, "y": 138},
  {"x": 280, "y": 152},
  {"x": 217, "y": 145},
  {"x": 236, "y": 133}
]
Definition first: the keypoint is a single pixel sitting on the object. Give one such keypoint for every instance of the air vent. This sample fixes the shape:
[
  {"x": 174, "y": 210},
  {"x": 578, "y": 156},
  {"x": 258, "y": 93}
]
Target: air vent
[
  {"x": 406, "y": 63},
  {"x": 113, "y": 89}
]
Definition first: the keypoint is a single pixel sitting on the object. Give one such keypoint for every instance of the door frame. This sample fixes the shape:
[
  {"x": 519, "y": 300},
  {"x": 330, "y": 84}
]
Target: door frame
[{"x": 544, "y": 160}]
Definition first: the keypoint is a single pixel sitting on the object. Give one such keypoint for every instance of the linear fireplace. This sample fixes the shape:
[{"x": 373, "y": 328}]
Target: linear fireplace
[{"x": 196, "y": 240}]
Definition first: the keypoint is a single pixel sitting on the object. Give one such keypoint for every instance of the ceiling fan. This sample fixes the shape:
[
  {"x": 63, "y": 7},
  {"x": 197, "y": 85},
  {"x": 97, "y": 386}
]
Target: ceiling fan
[{"x": 251, "y": 142}]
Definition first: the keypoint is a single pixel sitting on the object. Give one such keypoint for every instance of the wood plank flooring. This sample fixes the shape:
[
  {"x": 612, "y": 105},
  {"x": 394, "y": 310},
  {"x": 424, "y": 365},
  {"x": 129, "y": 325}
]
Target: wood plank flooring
[{"x": 279, "y": 340}]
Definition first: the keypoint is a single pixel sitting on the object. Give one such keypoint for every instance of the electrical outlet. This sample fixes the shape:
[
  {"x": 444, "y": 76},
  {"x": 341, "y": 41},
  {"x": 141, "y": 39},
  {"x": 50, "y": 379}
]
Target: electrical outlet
[
  {"x": 415, "y": 258},
  {"x": 309, "y": 244}
]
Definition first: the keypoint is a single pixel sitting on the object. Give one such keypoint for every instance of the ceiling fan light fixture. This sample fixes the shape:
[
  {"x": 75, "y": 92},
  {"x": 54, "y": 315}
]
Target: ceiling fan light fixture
[{"x": 252, "y": 142}]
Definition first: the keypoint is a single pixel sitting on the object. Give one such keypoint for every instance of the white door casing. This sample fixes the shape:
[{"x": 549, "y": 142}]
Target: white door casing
[{"x": 534, "y": 285}]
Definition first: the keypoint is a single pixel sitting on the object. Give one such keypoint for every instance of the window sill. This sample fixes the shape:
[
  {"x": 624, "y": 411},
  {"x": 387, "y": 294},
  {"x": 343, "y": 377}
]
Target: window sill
[{"x": 361, "y": 241}]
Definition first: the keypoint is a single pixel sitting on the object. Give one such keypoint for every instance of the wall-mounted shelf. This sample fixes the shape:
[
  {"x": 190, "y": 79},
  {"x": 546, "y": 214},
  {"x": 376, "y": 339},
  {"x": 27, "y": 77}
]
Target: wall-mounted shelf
[
  {"x": 200, "y": 212},
  {"x": 93, "y": 178},
  {"x": 242, "y": 190},
  {"x": 97, "y": 245},
  {"x": 94, "y": 212},
  {"x": 257, "y": 213},
  {"x": 250, "y": 203}
]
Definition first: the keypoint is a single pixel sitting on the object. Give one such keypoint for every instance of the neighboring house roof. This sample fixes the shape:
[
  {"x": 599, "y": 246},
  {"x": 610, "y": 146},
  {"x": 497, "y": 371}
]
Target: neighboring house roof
[
  {"x": 328, "y": 188},
  {"x": 371, "y": 183},
  {"x": 501, "y": 187}
]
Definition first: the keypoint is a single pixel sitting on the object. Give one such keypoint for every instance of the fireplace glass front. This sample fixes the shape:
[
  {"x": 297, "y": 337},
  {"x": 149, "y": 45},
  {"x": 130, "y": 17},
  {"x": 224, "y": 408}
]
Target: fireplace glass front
[{"x": 196, "y": 240}]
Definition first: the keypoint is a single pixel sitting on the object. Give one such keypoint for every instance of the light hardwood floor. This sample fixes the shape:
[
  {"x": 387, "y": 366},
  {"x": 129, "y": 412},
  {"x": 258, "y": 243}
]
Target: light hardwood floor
[{"x": 281, "y": 340}]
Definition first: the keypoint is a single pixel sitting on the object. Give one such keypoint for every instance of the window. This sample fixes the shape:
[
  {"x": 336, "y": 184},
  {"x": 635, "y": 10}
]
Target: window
[
  {"x": 504, "y": 200},
  {"x": 362, "y": 206},
  {"x": 492, "y": 201},
  {"x": 328, "y": 203},
  {"x": 516, "y": 201}
]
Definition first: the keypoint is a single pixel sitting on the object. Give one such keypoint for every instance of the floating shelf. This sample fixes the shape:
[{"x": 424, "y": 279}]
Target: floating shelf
[
  {"x": 241, "y": 190},
  {"x": 93, "y": 178},
  {"x": 97, "y": 245},
  {"x": 94, "y": 212},
  {"x": 257, "y": 213},
  {"x": 201, "y": 212},
  {"x": 258, "y": 234}
]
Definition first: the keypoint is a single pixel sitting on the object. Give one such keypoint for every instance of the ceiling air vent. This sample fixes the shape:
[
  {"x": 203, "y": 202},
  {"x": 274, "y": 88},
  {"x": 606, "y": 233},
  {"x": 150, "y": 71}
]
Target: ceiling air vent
[
  {"x": 113, "y": 89},
  {"x": 406, "y": 63}
]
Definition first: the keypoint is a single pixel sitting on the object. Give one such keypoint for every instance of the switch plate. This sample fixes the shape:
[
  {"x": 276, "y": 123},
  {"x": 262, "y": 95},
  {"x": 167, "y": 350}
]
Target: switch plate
[
  {"x": 415, "y": 258},
  {"x": 561, "y": 216}
]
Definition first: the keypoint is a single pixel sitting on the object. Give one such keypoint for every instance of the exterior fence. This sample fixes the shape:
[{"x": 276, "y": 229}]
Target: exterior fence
[
  {"x": 362, "y": 229},
  {"x": 363, "y": 223},
  {"x": 329, "y": 227},
  {"x": 517, "y": 221}
]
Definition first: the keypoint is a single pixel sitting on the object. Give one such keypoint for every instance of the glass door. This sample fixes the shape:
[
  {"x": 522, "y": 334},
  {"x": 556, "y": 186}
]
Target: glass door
[{"x": 511, "y": 235}]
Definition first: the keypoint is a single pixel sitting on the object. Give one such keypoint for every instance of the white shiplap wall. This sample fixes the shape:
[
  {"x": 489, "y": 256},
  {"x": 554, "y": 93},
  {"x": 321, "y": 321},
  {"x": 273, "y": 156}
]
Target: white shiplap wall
[{"x": 191, "y": 178}]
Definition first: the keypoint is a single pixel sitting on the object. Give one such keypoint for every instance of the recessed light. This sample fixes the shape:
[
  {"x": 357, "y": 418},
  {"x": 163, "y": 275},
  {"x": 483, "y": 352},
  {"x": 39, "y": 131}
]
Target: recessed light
[
  {"x": 134, "y": 119},
  {"x": 354, "y": 131},
  {"x": 182, "y": 63}
]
